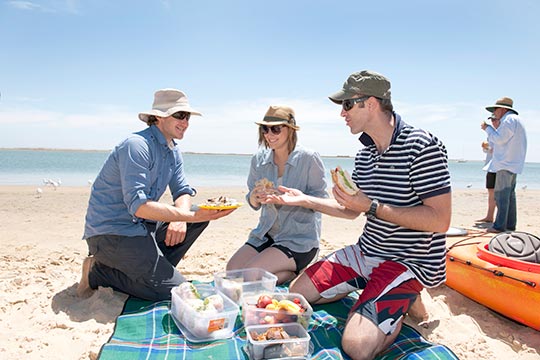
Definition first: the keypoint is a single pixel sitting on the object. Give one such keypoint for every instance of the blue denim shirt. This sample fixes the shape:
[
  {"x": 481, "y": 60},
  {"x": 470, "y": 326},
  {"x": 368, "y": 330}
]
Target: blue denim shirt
[
  {"x": 299, "y": 228},
  {"x": 138, "y": 170}
]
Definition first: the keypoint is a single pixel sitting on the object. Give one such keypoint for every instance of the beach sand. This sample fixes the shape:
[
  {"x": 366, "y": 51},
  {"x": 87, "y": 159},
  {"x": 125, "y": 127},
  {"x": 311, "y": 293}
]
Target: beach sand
[{"x": 42, "y": 251}]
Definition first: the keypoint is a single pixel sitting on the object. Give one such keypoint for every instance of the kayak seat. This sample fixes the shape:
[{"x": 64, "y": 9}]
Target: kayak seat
[{"x": 516, "y": 245}]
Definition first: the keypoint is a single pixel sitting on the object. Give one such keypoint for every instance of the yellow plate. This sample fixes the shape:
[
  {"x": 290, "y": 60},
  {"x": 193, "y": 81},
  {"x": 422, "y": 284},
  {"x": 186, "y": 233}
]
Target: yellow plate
[{"x": 219, "y": 207}]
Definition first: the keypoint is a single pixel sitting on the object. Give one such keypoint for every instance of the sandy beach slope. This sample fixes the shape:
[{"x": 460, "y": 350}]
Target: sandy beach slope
[{"x": 42, "y": 252}]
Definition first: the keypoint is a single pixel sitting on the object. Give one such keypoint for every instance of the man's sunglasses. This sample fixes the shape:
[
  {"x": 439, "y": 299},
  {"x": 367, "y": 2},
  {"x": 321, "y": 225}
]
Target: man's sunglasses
[
  {"x": 181, "y": 115},
  {"x": 276, "y": 129},
  {"x": 349, "y": 103}
]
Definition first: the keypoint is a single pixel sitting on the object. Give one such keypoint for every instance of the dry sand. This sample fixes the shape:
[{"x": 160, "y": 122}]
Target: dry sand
[{"x": 42, "y": 252}]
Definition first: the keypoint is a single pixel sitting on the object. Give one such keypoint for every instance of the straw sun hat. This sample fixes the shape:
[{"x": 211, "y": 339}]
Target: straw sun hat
[
  {"x": 168, "y": 102},
  {"x": 504, "y": 102}
]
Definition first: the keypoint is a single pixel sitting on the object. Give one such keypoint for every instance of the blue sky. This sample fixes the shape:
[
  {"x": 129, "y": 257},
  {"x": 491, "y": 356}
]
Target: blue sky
[{"x": 75, "y": 74}]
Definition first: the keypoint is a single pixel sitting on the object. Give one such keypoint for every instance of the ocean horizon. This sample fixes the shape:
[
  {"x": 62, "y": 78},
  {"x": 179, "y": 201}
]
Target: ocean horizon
[{"x": 77, "y": 167}]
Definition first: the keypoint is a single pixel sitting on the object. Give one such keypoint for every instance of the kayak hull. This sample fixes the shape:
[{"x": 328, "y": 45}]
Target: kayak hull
[{"x": 512, "y": 292}]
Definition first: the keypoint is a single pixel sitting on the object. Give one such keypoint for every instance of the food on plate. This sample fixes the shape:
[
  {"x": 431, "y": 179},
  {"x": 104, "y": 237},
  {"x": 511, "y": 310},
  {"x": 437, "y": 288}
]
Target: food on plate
[
  {"x": 342, "y": 180},
  {"x": 220, "y": 202}
]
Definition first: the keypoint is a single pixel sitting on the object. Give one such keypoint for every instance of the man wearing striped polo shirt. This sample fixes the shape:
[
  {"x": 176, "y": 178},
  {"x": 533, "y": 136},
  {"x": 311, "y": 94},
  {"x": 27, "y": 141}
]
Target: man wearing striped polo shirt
[{"x": 404, "y": 183}]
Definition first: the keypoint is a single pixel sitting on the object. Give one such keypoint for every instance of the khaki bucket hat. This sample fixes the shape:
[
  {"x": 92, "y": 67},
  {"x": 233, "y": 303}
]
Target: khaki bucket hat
[{"x": 168, "y": 102}]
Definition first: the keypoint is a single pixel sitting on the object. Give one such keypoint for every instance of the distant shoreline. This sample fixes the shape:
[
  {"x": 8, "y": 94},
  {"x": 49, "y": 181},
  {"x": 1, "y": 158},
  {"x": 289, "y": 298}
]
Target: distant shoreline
[
  {"x": 183, "y": 152},
  {"x": 460, "y": 160}
]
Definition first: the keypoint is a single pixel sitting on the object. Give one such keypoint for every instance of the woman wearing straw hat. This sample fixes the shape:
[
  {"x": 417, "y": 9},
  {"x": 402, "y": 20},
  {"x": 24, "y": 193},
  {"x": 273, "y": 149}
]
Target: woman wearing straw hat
[
  {"x": 135, "y": 242},
  {"x": 286, "y": 239}
]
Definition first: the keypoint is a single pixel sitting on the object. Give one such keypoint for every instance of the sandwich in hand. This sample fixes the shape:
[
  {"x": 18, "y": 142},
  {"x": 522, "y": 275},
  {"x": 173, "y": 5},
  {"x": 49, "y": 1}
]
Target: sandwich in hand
[
  {"x": 267, "y": 187},
  {"x": 343, "y": 181}
]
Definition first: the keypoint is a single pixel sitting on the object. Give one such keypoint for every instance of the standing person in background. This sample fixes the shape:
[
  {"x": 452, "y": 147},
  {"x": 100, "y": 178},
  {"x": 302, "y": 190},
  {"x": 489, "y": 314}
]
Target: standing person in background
[
  {"x": 404, "y": 190},
  {"x": 286, "y": 239},
  {"x": 490, "y": 177},
  {"x": 509, "y": 150},
  {"x": 134, "y": 241}
]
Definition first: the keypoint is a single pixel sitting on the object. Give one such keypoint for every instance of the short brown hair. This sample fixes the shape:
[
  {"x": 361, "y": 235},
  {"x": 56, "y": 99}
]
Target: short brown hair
[{"x": 151, "y": 120}]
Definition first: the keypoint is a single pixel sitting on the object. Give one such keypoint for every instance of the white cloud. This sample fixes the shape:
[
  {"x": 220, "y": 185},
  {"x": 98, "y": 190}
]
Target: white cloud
[
  {"x": 230, "y": 128},
  {"x": 24, "y": 5},
  {"x": 69, "y": 6}
]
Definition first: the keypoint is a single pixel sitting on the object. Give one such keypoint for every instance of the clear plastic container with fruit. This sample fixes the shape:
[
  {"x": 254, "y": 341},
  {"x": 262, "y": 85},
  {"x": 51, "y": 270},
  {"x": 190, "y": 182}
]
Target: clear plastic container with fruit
[{"x": 276, "y": 308}]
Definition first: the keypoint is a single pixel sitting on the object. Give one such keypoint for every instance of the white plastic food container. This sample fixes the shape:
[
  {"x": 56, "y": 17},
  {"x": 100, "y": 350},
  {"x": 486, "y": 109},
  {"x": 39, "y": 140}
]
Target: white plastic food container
[
  {"x": 199, "y": 322},
  {"x": 297, "y": 346},
  {"x": 236, "y": 283},
  {"x": 253, "y": 315}
]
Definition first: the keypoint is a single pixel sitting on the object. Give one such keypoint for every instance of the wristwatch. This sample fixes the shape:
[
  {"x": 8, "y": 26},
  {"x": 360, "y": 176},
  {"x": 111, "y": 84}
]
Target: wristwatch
[{"x": 372, "y": 212}]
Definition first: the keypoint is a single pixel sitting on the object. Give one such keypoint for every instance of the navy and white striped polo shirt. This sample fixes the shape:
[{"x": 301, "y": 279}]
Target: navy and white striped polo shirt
[{"x": 413, "y": 167}]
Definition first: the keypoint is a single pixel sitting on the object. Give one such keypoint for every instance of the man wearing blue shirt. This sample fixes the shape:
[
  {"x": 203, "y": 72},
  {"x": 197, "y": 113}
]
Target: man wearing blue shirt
[
  {"x": 134, "y": 241},
  {"x": 509, "y": 150}
]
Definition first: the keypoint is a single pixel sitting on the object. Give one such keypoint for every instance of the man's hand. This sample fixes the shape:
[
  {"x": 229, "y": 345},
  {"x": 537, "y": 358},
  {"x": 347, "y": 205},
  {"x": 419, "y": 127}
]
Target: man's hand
[
  {"x": 483, "y": 125},
  {"x": 359, "y": 203},
  {"x": 176, "y": 233}
]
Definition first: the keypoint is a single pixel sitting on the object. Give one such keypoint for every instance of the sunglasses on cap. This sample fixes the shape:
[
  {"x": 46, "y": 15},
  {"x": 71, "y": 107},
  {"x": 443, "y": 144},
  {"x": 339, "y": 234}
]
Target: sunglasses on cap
[
  {"x": 349, "y": 103},
  {"x": 181, "y": 115},
  {"x": 276, "y": 129}
]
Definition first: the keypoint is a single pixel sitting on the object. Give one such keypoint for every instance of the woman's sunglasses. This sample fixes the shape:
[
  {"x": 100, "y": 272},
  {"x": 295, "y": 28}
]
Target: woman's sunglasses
[
  {"x": 349, "y": 103},
  {"x": 181, "y": 115},
  {"x": 276, "y": 129}
]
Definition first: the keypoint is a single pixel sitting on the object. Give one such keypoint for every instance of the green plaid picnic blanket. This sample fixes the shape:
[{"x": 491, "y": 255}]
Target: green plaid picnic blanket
[{"x": 145, "y": 330}]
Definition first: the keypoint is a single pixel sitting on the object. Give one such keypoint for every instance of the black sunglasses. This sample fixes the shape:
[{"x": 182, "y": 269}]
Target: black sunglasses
[
  {"x": 276, "y": 129},
  {"x": 182, "y": 115},
  {"x": 349, "y": 103}
]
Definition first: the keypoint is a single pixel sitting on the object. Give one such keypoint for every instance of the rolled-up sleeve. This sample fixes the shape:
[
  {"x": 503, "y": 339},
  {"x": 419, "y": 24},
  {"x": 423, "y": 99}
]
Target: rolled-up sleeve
[
  {"x": 252, "y": 178},
  {"x": 134, "y": 164}
]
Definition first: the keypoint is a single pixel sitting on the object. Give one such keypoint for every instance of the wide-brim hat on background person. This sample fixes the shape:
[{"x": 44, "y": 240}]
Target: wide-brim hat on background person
[
  {"x": 504, "y": 102},
  {"x": 168, "y": 102},
  {"x": 365, "y": 82},
  {"x": 279, "y": 115}
]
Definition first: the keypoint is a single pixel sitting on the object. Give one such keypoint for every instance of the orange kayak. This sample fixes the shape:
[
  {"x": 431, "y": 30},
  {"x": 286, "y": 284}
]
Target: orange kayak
[{"x": 508, "y": 286}]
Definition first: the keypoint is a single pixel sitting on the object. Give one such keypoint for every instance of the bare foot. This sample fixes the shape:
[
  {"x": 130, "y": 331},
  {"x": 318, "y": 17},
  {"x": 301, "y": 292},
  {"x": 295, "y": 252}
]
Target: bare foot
[
  {"x": 83, "y": 289},
  {"x": 419, "y": 312},
  {"x": 487, "y": 220}
]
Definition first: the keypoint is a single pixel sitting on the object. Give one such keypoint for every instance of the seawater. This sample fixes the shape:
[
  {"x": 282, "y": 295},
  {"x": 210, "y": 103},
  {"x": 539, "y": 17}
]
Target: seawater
[{"x": 79, "y": 168}]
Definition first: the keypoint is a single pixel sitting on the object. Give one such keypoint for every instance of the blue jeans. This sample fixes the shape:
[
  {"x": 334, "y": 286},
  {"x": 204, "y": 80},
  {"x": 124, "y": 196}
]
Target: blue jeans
[{"x": 505, "y": 198}]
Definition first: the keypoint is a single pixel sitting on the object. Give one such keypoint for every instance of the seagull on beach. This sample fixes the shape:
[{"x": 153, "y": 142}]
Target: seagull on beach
[{"x": 53, "y": 183}]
